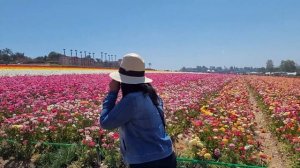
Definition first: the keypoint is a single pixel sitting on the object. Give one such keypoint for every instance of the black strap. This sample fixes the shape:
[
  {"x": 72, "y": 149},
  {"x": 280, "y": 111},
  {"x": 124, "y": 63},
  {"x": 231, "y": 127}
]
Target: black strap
[
  {"x": 161, "y": 114},
  {"x": 162, "y": 117},
  {"x": 131, "y": 73}
]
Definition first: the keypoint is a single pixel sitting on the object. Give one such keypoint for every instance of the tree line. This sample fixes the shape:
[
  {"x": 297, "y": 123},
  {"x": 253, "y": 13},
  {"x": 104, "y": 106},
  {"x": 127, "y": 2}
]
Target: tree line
[
  {"x": 7, "y": 56},
  {"x": 285, "y": 66}
]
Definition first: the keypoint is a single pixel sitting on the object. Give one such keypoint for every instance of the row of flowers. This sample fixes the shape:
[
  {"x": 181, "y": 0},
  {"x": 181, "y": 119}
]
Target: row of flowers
[
  {"x": 281, "y": 96},
  {"x": 9, "y": 70},
  {"x": 224, "y": 128}
]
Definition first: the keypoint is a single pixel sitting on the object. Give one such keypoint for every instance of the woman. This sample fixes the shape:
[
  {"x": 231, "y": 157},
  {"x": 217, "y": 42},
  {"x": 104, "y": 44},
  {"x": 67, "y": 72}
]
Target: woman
[{"x": 139, "y": 117}]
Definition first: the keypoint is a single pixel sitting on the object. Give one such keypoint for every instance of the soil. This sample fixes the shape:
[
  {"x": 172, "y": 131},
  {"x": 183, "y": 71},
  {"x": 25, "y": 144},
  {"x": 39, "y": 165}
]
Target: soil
[
  {"x": 2, "y": 162},
  {"x": 272, "y": 147},
  {"x": 12, "y": 163}
]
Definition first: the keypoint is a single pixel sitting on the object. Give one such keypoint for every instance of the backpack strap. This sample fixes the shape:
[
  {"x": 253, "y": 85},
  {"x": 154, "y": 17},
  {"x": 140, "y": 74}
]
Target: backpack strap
[{"x": 161, "y": 112}]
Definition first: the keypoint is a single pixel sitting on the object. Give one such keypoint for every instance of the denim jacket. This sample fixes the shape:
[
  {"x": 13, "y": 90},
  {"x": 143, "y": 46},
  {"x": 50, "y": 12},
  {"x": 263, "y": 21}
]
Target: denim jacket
[{"x": 142, "y": 133}]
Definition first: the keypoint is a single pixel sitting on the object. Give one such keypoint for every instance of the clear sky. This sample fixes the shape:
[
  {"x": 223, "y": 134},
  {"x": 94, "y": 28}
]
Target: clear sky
[{"x": 168, "y": 33}]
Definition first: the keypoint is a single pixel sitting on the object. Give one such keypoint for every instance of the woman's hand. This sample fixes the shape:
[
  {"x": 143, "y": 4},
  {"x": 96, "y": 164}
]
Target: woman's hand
[{"x": 114, "y": 86}]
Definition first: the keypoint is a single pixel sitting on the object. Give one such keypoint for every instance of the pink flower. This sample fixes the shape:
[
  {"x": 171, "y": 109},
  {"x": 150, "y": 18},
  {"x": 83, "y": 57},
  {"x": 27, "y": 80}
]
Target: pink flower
[{"x": 231, "y": 146}]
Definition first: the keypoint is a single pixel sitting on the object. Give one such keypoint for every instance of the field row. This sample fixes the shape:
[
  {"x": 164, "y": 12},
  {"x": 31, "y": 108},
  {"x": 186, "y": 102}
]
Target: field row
[{"x": 280, "y": 98}]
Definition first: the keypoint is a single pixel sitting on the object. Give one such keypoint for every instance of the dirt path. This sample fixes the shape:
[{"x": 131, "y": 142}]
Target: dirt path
[
  {"x": 272, "y": 147},
  {"x": 2, "y": 162}
]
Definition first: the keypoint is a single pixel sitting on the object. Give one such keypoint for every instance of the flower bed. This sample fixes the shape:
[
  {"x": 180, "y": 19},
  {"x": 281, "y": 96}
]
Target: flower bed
[
  {"x": 223, "y": 129},
  {"x": 280, "y": 98},
  {"x": 65, "y": 109}
]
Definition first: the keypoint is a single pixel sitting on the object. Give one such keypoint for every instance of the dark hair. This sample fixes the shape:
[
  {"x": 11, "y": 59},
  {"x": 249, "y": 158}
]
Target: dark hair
[{"x": 146, "y": 88}]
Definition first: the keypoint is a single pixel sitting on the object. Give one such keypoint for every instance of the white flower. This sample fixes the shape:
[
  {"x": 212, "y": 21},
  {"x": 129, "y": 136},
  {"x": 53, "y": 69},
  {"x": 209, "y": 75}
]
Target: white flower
[{"x": 247, "y": 147}]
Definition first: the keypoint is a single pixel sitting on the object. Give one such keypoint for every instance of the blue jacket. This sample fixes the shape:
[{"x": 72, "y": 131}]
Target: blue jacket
[{"x": 142, "y": 133}]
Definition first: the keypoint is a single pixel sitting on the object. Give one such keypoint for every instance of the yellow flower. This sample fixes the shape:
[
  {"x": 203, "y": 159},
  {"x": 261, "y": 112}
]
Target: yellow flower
[
  {"x": 17, "y": 126},
  {"x": 205, "y": 111},
  {"x": 204, "y": 150},
  {"x": 222, "y": 129},
  {"x": 193, "y": 142},
  {"x": 225, "y": 141},
  {"x": 200, "y": 144},
  {"x": 207, "y": 156},
  {"x": 196, "y": 142}
]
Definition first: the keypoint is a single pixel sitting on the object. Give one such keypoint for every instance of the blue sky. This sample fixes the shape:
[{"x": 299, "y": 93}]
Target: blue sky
[{"x": 168, "y": 33}]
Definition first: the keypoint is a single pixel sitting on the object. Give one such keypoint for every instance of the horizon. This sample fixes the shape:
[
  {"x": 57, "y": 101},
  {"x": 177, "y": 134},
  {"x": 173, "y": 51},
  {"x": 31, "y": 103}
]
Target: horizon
[
  {"x": 168, "y": 34},
  {"x": 146, "y": 65}
]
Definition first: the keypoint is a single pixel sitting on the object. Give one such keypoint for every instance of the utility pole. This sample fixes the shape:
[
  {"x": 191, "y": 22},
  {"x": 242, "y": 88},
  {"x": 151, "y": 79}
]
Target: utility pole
[
  {"x": 64, "y": 58},
  {"x": 93, "y": 58},
  {"x": 85, "y": 58},
  {"x": 89, "y": 59},
  {"x": 75, "y": 59},
  {"x": 80, "y": 58},
  {"x": 71, "y": 57}
]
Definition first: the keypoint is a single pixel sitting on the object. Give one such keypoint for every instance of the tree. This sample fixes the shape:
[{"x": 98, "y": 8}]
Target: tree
[
  {"x": 269, "y": 66},
  {"x": 288, "y": 66},
  {"x": 7, "y": 51},
  {"x": 4, "y": 59},
  {"x": 5, "y": 56},
  {"x": 40, "y": 59},
  {"x": 183, "y": 69},
  {"x": 262, "y": 69},
  {"x": 53, "y": 57},
  {"x": 18, "y": 58}
]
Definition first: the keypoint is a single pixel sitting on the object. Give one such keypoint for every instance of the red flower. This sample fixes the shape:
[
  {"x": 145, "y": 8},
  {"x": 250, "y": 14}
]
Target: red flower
[
  {"x": 242, "y": 148},
  {"x": 115, "y": 136},
  {"x": 198, "y": 123},
  {"x": 91, "y": 143}
]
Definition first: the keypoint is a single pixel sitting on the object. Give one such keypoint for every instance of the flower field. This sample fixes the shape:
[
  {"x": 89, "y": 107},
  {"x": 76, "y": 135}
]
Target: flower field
[
  {"x": 209, "y": 117},
  {"x": 281, "y": 100},
  {"x": 224, "y": 128}
]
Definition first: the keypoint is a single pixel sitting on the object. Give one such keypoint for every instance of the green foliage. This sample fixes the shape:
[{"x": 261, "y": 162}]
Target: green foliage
[
  {"x": 59, "y": 158},
  {"x": 17, "y": 150},
  {"x": 288, "y": 66},
  {"x": 53, "y": 57},
  {"x": 269, "y": 66}
]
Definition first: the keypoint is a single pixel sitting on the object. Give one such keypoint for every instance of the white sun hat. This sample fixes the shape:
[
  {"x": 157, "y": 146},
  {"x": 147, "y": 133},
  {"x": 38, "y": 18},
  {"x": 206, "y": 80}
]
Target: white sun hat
[{"x": 131, "y": 71}]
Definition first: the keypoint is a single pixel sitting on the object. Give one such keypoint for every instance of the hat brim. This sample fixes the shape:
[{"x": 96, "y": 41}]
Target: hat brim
[{"x": 129, "y": 79}]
